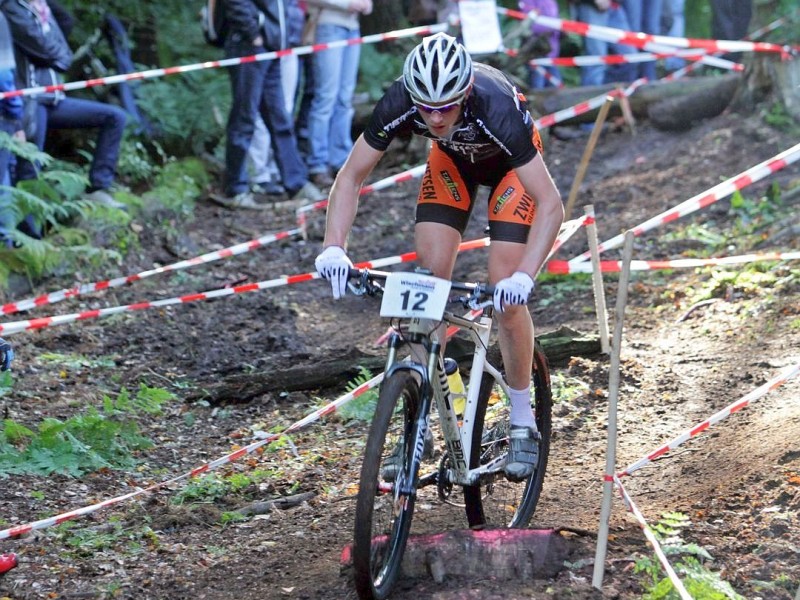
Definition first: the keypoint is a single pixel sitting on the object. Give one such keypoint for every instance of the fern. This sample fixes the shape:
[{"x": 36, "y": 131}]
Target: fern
[{"x": 361, "y": 408}]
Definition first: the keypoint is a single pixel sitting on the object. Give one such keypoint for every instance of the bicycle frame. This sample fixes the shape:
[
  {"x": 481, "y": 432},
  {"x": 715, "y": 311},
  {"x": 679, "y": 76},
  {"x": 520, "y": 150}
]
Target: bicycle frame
[{"x": 458, "y": 437}]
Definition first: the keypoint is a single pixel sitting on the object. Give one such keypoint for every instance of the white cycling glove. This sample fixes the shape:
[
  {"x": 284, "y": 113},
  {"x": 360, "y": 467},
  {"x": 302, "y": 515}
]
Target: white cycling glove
[
  {"x": 332, "y": 264},
  {"x": 512, "y": 290}
]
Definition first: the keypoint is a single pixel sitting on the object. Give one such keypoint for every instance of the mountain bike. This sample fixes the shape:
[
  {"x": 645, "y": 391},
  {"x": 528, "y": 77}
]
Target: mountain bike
[{"x": 396, "y": 465}]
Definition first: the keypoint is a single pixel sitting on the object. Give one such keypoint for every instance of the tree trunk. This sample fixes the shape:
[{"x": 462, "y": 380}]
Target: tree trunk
[
  {"x": 768, "y": 79},
  {"x": 552, "y": 100},
  {"x": 559, "y": 346}
]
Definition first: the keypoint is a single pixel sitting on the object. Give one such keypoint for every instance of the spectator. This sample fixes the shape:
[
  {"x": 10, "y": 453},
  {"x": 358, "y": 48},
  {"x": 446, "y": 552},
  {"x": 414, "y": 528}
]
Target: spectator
[
  {"x": 730, "y": 20},
  {"x": 644, "y": 16},
  {"x": 335, "y": 75},
  {"x": 550, "y": 39},
  {"x": 624, "y": 72},
  {"x": 41, "y": 51},
  {"x": 256, "y": 26},
  {"x": 266, "y": 178},
  {"x": 11, "y": 124},
  {"x": 673, "y": 24},
  {"x": 592, "y": 12}
]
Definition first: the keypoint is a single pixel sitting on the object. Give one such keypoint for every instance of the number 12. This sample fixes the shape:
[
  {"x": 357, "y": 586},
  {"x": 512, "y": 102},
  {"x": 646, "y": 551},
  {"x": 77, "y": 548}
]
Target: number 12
[{"x": 420, "y": 297}]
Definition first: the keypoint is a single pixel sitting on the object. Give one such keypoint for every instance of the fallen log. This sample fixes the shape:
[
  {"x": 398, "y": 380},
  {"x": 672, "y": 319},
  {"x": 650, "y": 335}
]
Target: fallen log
[
  {"x": 345, "y": 365},
  {"x": 283, "y": 503},
  {"x": 551, "y": 100}
]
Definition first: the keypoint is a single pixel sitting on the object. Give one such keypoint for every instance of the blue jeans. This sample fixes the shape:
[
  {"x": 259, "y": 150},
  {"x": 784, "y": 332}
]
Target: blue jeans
[
  {"x": 256, "y": 86},
  {"x": 74, "y": 113},
  {"x": 645, "y": 16},
  {"x": 677, "y": 30},
  {"x": 331, "y": 116},
  {"x": 539, "y": 81},
  {"x": 626, "y": 72},
  {"x": 6, "y": 213},
  {"x": 585, "y": 13}
]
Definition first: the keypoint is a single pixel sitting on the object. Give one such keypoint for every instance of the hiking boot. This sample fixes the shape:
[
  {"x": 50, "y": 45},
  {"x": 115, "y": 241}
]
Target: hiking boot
[
  {"x": 523, "y": 453},
  {"x": 243, "y": 200},
  {"x": 268, "y": 188},
  {"x": 308, "y": 192},
  {"x": 322, "y": 179},
  {"x": 394, "y": 462},
  {"x": 103, "y": 198}
]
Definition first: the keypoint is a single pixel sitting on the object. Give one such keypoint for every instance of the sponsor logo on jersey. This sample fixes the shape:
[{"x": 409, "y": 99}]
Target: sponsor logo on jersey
[
  {"x": 525, "y": 209},
  {"x": 502, "y": 199},
  {"x": 451, "y": 185},
  {"x": 428, "y": 190}
]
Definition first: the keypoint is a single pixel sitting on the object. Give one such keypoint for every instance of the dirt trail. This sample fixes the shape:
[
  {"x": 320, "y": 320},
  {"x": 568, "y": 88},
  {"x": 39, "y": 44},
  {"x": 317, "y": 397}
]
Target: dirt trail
[{"x": 739, "y": 483}]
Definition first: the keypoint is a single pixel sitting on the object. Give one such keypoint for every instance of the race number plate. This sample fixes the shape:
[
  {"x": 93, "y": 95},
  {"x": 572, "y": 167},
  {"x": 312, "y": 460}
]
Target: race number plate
[{"x": 415, "y": 295}]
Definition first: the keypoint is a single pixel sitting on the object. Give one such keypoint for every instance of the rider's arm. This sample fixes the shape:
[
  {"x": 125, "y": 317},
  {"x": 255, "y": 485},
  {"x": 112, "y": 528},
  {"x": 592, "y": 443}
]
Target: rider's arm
[
  {"x": 549, "y": 214},
  {"x": 343, "y": 201}
]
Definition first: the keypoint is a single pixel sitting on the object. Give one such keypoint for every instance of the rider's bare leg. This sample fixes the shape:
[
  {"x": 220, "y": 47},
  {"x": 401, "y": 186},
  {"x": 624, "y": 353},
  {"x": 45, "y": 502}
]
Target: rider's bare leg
[{"x": 515, "y": 326}]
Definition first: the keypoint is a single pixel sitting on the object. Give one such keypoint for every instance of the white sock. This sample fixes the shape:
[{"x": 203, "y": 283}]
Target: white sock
[{"x": 521, "y": 409}]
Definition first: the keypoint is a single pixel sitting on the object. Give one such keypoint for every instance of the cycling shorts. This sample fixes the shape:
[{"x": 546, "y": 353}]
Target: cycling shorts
[{"x": 449, "y": 186}]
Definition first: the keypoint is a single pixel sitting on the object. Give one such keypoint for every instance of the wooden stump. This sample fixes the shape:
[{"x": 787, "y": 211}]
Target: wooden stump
[{"x": 515, "y": 554}]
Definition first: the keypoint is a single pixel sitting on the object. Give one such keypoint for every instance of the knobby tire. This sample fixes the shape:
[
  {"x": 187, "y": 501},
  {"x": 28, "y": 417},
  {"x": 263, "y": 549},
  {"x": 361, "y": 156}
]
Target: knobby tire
[
  {"x": 502, "y": 503},
  {"x": 381, "y": 525}
]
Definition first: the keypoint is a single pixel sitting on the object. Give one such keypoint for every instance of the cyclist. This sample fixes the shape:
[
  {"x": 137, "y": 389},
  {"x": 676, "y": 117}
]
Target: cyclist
[{"x": 484, "y": 135}]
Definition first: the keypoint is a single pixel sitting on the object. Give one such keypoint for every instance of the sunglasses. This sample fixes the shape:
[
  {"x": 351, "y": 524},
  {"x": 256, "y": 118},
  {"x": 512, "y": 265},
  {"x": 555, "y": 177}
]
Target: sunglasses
[{"x": 442, "y": 110}]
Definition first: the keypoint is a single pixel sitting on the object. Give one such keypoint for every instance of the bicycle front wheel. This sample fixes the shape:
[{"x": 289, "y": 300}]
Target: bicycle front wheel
[
  {"x": 383, "y": 514},
  {"x": 496, "y": 501}
]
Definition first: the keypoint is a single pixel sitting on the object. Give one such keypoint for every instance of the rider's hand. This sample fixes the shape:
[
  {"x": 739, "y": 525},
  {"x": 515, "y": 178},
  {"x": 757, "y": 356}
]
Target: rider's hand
[
  {"x": 512, "y": 290},
  {"x": 334, "y": 266}
]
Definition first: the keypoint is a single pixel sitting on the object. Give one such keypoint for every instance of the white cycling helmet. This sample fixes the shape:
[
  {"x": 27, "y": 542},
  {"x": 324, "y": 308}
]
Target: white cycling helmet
[{"x": 437, "y": 70}]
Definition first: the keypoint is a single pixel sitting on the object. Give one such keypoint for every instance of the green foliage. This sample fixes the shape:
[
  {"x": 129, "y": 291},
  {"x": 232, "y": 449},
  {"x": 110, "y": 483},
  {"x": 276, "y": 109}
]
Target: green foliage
[
  {"x": 212, "y": 487},
  {"x": 6, "y": 382},
  {"x": 687, "y": 560},
  {"x": 83, "y": 542},
  {"x": 83, "y": 443},
  {"x": 378, "y": 69},
  {"x": 565, "y": 388},
  {"x": 552, "y": 289},
  {"x": 361, "y": 408}
]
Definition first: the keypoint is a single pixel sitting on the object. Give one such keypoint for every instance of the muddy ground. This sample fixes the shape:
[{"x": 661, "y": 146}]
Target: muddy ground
[{"x": 738, "y": 483}]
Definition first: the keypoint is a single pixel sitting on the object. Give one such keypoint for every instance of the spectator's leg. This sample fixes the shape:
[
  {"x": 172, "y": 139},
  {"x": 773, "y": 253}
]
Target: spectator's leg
[
  {"x": 26, "y": 170},
  {"x": 327, "y": 81},
  {"x": 301, "y": 124},
  {"x": 341, "y": 136},
  {"x": 626, "y": 72},
  {"x": 247, "y": 88},
  {"x": 281, "y": 129},
  {"x": 592, "y": 47},
  {"x": 73, "y": 113},
  {"x": 651, "y": 24}
]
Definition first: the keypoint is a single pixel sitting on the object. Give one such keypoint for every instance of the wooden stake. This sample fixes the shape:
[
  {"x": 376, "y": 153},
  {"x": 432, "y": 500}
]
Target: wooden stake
[
  {"x": 613, "y": 393},
  {"x": 597, "y": 280},
  {"x": 587, "y": 155}
]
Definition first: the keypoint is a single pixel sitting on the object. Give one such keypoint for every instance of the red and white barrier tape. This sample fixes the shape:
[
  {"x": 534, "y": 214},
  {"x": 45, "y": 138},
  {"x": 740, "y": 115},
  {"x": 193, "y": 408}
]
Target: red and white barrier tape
[
  {"x": 646, "y": 41},
  {"x": 784, "y": 375},
  {"x": 562, "y": 267},
  {"x": 648, "y": 533},
  {"x": 42, "y": 322},
  {"x": 710, "y": 196},
  {"x": 637, "y": 57},
  {"x": 413, "y": 173},
  {"x": 330, "y": 408},
  {"x": 227, "y": 62},
  {"x": 53, "y": 297},
  {"x": 753, "y": 36}
]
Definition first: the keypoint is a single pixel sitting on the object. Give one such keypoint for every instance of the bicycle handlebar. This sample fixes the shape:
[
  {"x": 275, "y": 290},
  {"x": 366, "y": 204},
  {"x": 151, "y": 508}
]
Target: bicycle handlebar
[{"x": 476, "y": 291}]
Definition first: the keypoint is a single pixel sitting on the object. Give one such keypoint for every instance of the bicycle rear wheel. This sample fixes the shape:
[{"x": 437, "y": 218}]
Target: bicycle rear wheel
[
  {"x": 495, "y": 501},
  {"x": 383, "y": 515}
]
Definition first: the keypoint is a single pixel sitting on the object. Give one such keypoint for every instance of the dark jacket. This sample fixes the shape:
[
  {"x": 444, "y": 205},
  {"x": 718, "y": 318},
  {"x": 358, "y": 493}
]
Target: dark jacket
[
  {"x": 40, "y": 54},
  {"x": 247, "y": 19}
]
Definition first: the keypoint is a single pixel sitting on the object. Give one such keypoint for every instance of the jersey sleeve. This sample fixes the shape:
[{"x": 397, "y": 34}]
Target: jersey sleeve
[{"x": 392, "y": 115}]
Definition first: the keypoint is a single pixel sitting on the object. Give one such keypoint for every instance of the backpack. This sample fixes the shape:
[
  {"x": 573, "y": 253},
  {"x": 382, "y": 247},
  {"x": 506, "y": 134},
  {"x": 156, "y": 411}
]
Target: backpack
[{"x": 215, "y": 26}]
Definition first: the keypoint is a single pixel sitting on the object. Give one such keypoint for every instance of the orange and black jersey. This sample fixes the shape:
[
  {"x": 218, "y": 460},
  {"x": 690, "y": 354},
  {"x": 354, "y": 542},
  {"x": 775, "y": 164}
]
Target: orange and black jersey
[{"x": 495, "y": 127}]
